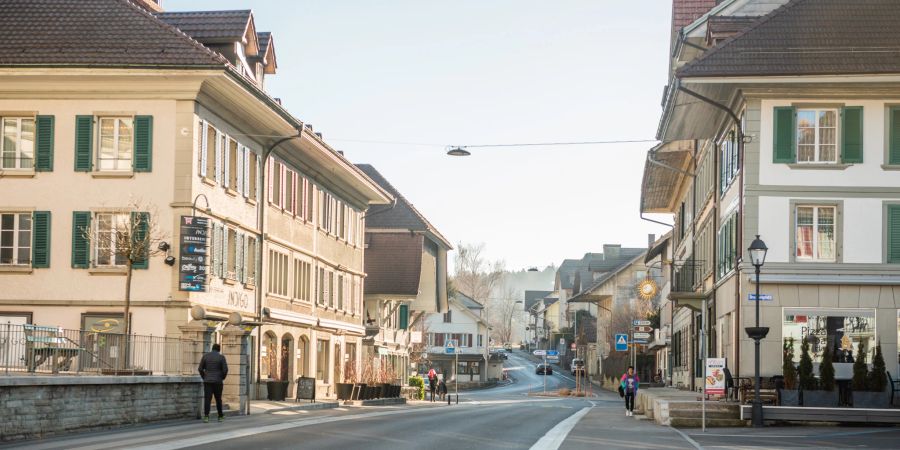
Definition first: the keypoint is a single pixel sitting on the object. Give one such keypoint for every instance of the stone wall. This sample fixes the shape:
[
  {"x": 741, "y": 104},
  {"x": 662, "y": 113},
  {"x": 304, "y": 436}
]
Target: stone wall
[{"x": 43, "y": 406}]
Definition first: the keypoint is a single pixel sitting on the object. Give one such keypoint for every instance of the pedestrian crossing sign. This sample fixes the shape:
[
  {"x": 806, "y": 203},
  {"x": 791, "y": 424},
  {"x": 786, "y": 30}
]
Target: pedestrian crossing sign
[
  {"x": 450, "y": 347},
  {"x": 621, "y": 343}
]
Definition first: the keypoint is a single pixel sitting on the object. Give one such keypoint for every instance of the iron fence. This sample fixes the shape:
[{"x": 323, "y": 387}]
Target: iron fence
[{"x": 41, "y": 349}]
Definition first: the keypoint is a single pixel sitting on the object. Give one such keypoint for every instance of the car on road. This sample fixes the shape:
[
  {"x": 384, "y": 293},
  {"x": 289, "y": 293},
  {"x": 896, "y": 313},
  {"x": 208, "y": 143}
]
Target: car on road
[
  {"x": 507, "y": 347},
  {"x": 543, "y": 369},
  {"x": 577, "y": 366}
]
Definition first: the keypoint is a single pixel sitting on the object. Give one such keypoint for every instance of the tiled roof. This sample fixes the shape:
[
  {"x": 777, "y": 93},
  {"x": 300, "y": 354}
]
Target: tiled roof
[
  {"x": 810, "y": 37},
  {"x": 94, "y": 33},
  {"x": 403, "y": 215},
  {"x": 720, "y": 27},
  {"x": 393, "y": 263},
  {"x": 467, "y": 301},
  {"x": 263, "y": 38},
  {"x": 210, "y": 25},
  {"x": 684, "y": 12},
  {"x": 532, "y": 297}
]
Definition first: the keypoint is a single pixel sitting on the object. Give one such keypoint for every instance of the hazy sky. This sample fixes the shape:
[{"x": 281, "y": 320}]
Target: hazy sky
[{"x": 435, "y": 73}]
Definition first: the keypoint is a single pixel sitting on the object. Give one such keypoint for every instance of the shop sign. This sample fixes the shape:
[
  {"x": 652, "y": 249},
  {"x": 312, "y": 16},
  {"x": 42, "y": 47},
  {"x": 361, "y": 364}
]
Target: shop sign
[
  {"x": 194, "y": 254},
  {"x": 415, "y": 337},
  {"x": 715, "y": 376}
]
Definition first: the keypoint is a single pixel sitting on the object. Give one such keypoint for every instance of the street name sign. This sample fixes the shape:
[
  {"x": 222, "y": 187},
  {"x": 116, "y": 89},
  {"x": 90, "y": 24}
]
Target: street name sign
[
  {"x": 762, "y": 297},
  {"x": 539, "y": 352},
  {"x": 640, "y": 323},
  {"x": 621, "y": 342},
  {"x": 641, "y": 336},
  {"x": 643, "y": 329},
  {"x": 450, "y": 347}
]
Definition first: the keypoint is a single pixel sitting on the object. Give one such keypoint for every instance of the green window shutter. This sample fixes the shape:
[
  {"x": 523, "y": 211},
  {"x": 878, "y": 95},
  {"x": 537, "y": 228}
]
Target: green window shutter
[
  {"x": 140, "y": 224},
  {"x": 43, "y": 161},
  {"x": 893, "y": 234},
  {"x": 852, "y": 134},
  {"x": 785, "y": 146},
  {"x": 404, "y": 317},
  {"x": 143, "y": 143},
  {"x": 894, "y": 149},
  {"x": 40, "y": 240},
  {"x": 84, "y": 143},
  {"x": 81, "y": 247}
]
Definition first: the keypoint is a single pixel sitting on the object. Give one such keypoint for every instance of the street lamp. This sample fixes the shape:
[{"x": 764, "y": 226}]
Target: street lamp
[{"x": 757, "y": 252}]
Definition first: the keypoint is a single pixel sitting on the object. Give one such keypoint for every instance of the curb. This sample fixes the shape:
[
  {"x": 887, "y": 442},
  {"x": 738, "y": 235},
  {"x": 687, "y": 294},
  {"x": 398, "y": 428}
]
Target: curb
[{"x": 307, "y": 406}]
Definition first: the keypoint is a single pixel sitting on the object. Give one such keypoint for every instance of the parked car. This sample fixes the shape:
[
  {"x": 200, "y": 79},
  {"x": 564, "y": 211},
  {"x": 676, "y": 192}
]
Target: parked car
[
  {"x": 544, "y": 369},
  {"x": 577, "y": 366},
  {"x": 507, "y": 347}
]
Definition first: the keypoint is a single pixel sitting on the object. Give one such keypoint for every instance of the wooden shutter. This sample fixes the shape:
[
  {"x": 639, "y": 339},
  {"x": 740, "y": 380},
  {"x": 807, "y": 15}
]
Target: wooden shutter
[
  {"x": 226, "y": 152},
  {"x": 143, "y": 144},
  {"x": 246, "y": 156},
  {"x": 43, "y": 161},
  {"x": 40, "y": 240},
  {"x": 894, "y": 149},
  {"x": 84, "y": 142},
  {"x": 218, "y": 161},
  {"x": 852, "y": 135},
  {"x": 785, "y": 146},
  {"x": 239, "y": 257},
  {"x": 140, "y": 226},
  {"x": 269, "y": 173},
  {"x": 404, "y": 317},
  {"x": 204, "y": 147},
  {"x": 893, "y": 234},
  {"x": 81, "y": 247}
]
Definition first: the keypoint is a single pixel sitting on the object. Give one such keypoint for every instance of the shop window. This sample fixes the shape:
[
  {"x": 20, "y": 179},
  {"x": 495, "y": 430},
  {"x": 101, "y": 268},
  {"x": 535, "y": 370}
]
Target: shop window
[{"x": 841, "y": 329}]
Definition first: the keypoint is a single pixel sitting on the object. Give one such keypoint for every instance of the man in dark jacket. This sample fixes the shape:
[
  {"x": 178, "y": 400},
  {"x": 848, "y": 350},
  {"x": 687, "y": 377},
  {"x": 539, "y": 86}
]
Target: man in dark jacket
[{"x": 213, "y": 369}]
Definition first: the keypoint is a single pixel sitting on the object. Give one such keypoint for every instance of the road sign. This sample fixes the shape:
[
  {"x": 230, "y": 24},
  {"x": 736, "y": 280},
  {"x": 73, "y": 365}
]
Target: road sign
[
  {"x": 573, "y": 346},
  {"x": 643, "y": 329},
  {"x": 450, "y": 347},
  {"x": 552, "y": 353},
  {"x": 638, "y": 336},
  {"x": 621, "y": 342},
  {"x": 539, "y": 352},
  {"x": 640, "y": 323},
  {"x": 762, "y": 297},
  {"x": 553, "y": 358}
]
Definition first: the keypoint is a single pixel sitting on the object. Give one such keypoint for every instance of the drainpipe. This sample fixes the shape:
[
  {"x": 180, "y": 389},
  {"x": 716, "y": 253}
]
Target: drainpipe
[{"x": 740, "y": 232}]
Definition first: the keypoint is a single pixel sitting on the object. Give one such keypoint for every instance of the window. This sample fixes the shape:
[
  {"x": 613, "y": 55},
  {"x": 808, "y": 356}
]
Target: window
[
  {"x": 231, "y": 262},
  {"x": 232, "y": 168},
  {"x": 841, "y": 329},
  {"x": 322, "y": 360},
  {"x": 817, "y": 135},
  {"x": 276, "y": 184},
  {"x": 116, "y": 143},
  {"x": 892, "y": 233},
  {"x": 302, "y": 271},
  {"x": 469, "y": 368},
  {"x": 448, "y": 316},
  {"x": 729, "y": 160},
  {"x": 480, "y": 342},
  {"x": 252, "y": 166},
  {"x": 437, "y": 339},
  {"x": 209, "y": 162},
  {"x": 278, "y": 273},
  {"x": 108, "y": 245},
  {"x": 250, "y": 258},
  {"x": 288, "y": 191},
  {"x": 815, "y": 235},
  {"x": 15, "y": 238},
  {"x": 322, "y": 286},
  {"x": 727, "y": 245},
  {"x": 17, "y": 146},
  {"x": 340, "y": 292},
  {"x": 310, "y": 195},
  {"x": 329, "y": 277}
]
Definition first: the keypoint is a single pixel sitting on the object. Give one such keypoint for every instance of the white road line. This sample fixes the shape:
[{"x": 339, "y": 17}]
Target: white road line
[
  {"x": 555, "y": 437},
  {"x": 688, "y": 438}
]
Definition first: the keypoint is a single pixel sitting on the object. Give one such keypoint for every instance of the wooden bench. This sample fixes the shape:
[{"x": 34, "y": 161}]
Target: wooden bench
[{"x": 43, "y": 343}]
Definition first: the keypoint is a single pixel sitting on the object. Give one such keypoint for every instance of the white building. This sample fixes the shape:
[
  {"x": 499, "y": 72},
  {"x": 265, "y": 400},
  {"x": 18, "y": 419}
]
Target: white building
[{"x": 462, "y": 324}]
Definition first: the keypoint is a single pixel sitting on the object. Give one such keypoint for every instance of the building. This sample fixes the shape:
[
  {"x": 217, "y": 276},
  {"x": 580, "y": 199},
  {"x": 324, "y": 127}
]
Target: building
[
  {"x": 406, "y": 263},
  {"x": 532, "y": 302},
  {"x": 175, "y": 124},
  {"x": 464, "y": 325},
  {"x": 798, "y": 150}
]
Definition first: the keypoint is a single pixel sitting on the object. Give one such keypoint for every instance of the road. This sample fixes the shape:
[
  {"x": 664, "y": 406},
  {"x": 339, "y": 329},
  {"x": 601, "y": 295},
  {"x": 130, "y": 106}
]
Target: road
[{"x": 505, "y": 417}]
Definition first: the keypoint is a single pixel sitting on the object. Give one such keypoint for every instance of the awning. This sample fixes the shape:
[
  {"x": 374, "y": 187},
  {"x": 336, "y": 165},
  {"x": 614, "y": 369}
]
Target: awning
[
  {"x": 657, "y": 250},
  {"x": 664, "y": 169}
]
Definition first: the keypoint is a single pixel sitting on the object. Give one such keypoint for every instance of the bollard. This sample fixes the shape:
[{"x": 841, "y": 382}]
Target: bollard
[{"x": 448, "y": 399}]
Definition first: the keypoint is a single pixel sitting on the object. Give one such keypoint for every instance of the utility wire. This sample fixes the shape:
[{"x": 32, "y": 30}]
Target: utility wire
[{"x": 530, "y": 144}]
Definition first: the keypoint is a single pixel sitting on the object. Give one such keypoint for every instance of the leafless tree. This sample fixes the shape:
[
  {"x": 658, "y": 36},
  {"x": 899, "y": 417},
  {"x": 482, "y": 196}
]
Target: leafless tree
[
  {"x": 477, "y": 277},
  {"x": 503, "y": 314},
  {"x": 131, "y": 237}
]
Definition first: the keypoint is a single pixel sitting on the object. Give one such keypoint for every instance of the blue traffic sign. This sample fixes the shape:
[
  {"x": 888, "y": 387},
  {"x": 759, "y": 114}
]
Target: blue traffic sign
[
  {"x": 621, "y": 342},
  {"x": 552, "y": 353},
  {"x": 450, "y": 347},
  {"x": 762, "y": 297}
]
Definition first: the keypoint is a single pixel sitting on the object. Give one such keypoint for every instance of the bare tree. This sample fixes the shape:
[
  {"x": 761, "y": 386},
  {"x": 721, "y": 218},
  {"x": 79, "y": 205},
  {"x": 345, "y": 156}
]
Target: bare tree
[
  {"x": 128, "y": 237},
  {"x": 477, "y": 277},
  {"x": 503, "y": 314}
]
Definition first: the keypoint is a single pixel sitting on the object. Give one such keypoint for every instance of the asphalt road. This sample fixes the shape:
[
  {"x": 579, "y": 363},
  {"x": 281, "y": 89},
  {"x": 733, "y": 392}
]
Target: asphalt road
[{"x": 507, "y": 417}]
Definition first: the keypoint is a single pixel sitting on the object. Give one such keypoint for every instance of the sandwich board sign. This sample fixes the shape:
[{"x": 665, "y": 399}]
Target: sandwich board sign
[
  {"x": 715, "y": 376},
  {"x": 622, "y": 342}
]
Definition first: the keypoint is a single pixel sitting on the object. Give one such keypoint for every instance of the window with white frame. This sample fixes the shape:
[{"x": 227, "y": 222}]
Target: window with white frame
[
  {"x": 278, "y": 273},
  {"x": 250, "y": 260},
  {"x": 232, "y": 253},
  {"x": 17, "y": 146},
  {"x": 329, "y": 278},
  {"x": 815, "y": 235},
  {"x": 15, "y": 239},
  {"x": 116, "y": 143},
  {"x": 729, "y": 160},
  {"x": 322, "y": 286},
  {"x": 235, "y": 168},
  {"x": 276, "y": 183},
  {"x": 340, "y": 292},
  {"x": 108, "y": 231},
  {"x": 289, "y": 191},
  {"x": 817, "y": 135},
  {"x": 302, "y": 270}
]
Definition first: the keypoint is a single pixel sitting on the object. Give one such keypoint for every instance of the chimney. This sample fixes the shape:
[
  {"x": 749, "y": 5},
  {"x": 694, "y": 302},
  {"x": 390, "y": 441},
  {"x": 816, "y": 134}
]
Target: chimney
[
  {"x": 611, "y": 251},
  {"x": 651, "y": 238}
]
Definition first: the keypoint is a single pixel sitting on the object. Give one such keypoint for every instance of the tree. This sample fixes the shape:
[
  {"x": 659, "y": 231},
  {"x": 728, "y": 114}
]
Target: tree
[
  {"x": 787, "y": 366},
  {"x": 826, "y": 370},
  {"x": 877, "y": 378},
  {"x": 133, "y": 241},
  {"x": 860, "y": 370},
  {"x": 805, "y": 371},
  {"x": 479, "y": 279}
]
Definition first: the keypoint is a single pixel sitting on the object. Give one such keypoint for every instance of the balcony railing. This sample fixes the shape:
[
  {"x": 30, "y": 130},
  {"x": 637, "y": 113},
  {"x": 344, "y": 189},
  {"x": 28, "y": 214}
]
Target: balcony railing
[{"x": 687, "y": 276}]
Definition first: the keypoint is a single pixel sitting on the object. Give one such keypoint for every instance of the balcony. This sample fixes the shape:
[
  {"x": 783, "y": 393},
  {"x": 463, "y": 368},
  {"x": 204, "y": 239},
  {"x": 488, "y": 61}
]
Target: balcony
[{"x": 686, "y": 280}]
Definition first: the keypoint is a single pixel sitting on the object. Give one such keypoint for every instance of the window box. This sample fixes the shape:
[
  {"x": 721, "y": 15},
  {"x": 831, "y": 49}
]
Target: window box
[
  {"x": 16, "y": 269},
  {"x": 17, "y": 173}
]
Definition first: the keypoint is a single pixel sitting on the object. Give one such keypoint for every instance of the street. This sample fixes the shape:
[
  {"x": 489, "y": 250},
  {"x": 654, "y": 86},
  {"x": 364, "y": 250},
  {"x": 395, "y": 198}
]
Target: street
[{"x": 504, "y": 417}]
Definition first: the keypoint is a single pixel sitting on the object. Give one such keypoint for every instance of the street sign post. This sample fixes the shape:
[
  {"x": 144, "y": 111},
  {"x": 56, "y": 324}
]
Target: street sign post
[
  {"x": 539, "y": 352},
  {"x": 194, "y": 255},
  {"x": 641, "y": 336},
  {"x": 622, "y": 342},
  {"x": 450, "y": 347},
  {"x": 640, "y": 323},
  {"x": 643, "y": 329},
  {"x": 762, "y": 297}
]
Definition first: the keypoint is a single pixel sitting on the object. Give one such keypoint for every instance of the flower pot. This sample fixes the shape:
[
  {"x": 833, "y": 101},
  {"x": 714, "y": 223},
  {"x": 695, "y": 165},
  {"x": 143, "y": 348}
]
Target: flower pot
[
  {"x": 867, "y": 399},
  {"x": 359, "y": 391},
  {"x": 789, "y": 397},
  {"x": 820, "y": 399},
  {"x": 343, "y": 390},
  {"x": 395, "y": 391},
  {"x": 385, "y": 390},
  {"x": 277, "y": 390},
  {"x": 370, "y": 392}
]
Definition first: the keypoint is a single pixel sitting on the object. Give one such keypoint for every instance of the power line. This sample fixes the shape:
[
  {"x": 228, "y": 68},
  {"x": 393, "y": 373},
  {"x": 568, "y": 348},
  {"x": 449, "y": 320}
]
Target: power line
[{"x": 532, "y": 144}]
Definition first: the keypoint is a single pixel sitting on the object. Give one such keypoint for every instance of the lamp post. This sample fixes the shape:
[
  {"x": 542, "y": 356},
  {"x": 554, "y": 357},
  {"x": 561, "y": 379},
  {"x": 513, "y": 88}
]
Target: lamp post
[{"x": 757, "y": 252}]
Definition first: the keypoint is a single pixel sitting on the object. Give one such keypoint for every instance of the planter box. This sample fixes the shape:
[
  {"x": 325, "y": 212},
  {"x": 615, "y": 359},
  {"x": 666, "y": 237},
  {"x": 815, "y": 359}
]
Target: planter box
[
  {"x": 789, "y": 397},
  {"x": 385, "y": 391},
  {"x": 277, "y": 390},
  {"x": 865, "y": 399},
  {"x": 820, "y": 399},
  {"x": 359, "y": 391},
  {"x": 343, "y": 390}
]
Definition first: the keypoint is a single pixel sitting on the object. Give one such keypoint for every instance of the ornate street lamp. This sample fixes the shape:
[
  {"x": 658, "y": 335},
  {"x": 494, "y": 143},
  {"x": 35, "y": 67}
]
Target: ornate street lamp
[{"x": 757, "y": 252}]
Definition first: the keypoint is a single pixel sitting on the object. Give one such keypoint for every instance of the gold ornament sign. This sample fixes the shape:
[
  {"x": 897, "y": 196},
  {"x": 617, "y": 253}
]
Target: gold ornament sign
[{"x": 647, "y": 289}]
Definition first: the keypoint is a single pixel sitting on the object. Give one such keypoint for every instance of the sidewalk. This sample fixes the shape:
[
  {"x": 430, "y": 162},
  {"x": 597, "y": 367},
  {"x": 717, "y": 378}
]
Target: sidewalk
[{"x": 268, "y": 407}]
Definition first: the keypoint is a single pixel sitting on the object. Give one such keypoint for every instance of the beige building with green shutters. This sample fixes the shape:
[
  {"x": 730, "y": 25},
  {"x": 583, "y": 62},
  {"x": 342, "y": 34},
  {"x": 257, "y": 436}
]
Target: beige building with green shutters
[{"x": 181, "y": 126}]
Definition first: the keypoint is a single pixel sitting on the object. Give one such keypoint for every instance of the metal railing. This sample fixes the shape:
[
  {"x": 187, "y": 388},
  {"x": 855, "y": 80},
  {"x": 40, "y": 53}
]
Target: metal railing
[
  {"x": 29, "y": 348},
  {"x": 687, "y": 276}
]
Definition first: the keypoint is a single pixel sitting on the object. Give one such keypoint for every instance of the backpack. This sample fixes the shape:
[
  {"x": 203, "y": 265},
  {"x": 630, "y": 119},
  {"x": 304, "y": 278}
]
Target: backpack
[{"x": 621, "y": 391}]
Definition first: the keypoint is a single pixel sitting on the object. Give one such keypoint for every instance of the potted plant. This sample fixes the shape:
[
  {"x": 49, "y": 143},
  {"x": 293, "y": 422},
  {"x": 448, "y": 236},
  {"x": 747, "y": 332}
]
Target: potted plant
[
  {"x": 385, "y": 374},
  {"x": 370, "y": 377},
  {"x": 805, "y": 370},
  {"x": 825, "y": 396},
  {"x": 276, "y": 388},
  {"x": 789, "y": 395},
  {"x": 345, "y": 390},
  {"x": 873, "y": 394}
]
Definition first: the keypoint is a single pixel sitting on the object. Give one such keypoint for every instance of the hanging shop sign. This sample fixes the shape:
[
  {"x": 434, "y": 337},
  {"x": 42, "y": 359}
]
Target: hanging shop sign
[{"x": 194, "y": 254}]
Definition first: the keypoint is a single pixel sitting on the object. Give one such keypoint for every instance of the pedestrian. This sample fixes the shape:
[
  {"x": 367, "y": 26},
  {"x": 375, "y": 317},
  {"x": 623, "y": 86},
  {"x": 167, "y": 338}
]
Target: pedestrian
[
  {"x": 629, "y": 384},
  {"x": 432, "y": 382},
  {"x": 213, "y": 369},
  {"x": 442, "y": 389}
]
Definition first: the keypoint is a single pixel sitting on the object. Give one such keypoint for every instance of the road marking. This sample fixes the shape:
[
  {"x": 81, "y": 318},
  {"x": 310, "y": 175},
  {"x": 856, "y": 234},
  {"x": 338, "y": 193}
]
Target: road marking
[
  {"x": 688, "y": 438},
  {"x": 555, "y": 437}
]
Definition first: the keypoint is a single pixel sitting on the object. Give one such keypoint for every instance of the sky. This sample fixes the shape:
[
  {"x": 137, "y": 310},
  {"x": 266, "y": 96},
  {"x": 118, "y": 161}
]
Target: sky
[{"x": 392, "y": 83}]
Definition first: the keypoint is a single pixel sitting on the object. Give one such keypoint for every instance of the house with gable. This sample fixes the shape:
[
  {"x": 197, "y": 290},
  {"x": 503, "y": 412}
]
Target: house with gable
[{"x": 463, "y": 324}]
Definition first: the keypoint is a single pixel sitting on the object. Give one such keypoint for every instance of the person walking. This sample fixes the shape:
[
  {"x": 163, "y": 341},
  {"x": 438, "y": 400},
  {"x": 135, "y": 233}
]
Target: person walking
[
  {"x": 629, "y": 384},
  {"x": 442, "y": 389},
  {"x": 432, "y": 382},
  {"x": 213, "y": 369}
]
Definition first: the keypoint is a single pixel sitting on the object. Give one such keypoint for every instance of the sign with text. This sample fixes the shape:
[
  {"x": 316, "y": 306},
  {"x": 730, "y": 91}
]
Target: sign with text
[
  {"x": 643, "y": 329},
  {"x": 194, "y": 253},
  {"x": 539, "y": 352},
  {"x": 762, "y": 297},
  {"x": 715, "y": 376},
  {"x": 641, "y": 336},
  {"x": 552, "y": 353},
  {"x": 640, "y": 323}
]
